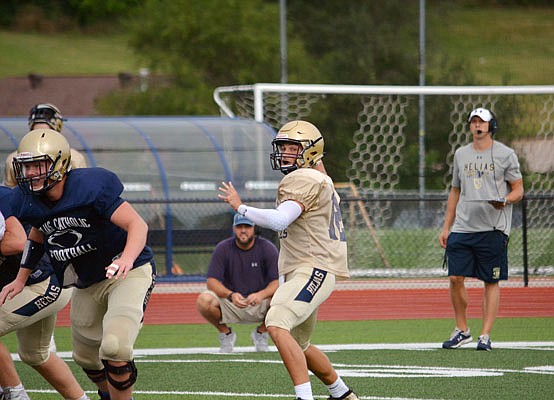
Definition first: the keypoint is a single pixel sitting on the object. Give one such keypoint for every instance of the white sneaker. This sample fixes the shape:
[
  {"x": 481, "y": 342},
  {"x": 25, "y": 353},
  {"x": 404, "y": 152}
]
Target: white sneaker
[
  {"x": 15, "y": 394},
  {"x": 260, "y": 340},
  {"x": 52, "y": 346},
  {"x": 227, "y": 342}
]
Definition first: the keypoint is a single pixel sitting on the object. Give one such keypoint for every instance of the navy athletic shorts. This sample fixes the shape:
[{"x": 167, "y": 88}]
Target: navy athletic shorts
[{"x": 482, "y": 255}]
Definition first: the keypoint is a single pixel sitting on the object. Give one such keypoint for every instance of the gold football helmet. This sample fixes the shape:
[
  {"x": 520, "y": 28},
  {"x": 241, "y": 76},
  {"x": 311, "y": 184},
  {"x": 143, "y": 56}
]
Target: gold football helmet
[
  {"x": 43, "y": 158},
  {"x": 47, "y": 114},
  {"x": 304, "y": 134}
]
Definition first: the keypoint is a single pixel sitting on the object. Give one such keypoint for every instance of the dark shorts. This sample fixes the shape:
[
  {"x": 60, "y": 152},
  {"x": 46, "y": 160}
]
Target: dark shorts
[{"x": 482, "y": 255}]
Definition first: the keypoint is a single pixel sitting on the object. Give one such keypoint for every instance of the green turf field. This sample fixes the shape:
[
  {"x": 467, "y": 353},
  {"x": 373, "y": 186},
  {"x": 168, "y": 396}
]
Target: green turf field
[{"x": 379, "y": 359}]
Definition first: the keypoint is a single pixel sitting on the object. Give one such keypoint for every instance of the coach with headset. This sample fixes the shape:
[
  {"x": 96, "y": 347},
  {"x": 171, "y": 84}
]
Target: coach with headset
[{"x": 486, "y": 181}]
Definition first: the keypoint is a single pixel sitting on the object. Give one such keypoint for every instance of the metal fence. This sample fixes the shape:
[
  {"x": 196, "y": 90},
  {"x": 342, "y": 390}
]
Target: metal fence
[{"x": 388, "y": 236}]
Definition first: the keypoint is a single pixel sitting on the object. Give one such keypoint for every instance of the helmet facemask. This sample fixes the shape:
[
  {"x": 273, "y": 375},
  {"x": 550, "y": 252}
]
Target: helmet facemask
[
  {"x": 281, "y": 160},
  {"x": 309, "y": 140},
  {"x": 46, "y": 114},
  {"x": 36, "y": 175}
]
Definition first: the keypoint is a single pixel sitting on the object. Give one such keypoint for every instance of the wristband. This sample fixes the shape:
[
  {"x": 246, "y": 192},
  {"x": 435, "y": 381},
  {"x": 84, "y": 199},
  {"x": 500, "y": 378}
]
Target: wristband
[
  {"x": 32, "y": 253},
  {"x": 230, "y": 297},
  {"x": 242, "y": 210}
]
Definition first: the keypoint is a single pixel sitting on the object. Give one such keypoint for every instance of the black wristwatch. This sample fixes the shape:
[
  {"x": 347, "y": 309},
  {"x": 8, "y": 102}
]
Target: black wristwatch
[{"x": 230, "y": 297}]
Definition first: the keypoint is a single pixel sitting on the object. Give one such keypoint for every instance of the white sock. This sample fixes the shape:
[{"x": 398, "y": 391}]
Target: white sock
[
  {"x": 304, "y": 391},
  {"x": 338, "y": 388}
]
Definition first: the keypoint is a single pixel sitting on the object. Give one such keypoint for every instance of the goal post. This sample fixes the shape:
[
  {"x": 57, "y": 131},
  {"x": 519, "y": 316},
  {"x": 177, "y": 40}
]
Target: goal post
[
  {"x": 259, "y": 90},
  {"x": 384, "y": 111},
  {"x": 381, "y": 167}
]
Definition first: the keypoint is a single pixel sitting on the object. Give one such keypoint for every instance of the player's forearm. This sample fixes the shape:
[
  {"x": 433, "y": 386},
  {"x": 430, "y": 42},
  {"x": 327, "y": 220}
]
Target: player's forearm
[
  {"x": 14, "y": 238},
  {"x": 136, "y": 240},
  {"x": 276, "y": 219},
  {"x": 23, "y": 274}
]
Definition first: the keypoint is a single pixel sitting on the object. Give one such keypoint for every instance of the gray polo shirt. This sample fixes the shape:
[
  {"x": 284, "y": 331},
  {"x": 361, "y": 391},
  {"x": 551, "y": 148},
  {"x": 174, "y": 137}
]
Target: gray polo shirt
[{"x": 482, "y": 176}]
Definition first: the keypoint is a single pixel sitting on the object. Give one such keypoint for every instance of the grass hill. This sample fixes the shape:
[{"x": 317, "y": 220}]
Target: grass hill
[{"x": 502, "y": 45}]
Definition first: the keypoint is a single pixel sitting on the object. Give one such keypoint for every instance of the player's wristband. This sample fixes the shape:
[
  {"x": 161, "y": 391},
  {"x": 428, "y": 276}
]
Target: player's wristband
[
  {"x": 242, "y": 209},
  {"x": 32, "y": 253}
]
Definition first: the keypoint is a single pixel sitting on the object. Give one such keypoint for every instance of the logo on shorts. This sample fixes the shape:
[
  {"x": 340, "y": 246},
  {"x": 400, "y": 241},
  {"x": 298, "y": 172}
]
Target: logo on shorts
[
  {"x": 496, "y": 273},
  {"x": 309, "y": 291}
]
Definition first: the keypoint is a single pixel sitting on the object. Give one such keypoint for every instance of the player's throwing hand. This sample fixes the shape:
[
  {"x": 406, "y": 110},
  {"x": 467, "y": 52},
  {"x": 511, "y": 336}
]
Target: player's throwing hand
[{"x": 230, "y": 195}]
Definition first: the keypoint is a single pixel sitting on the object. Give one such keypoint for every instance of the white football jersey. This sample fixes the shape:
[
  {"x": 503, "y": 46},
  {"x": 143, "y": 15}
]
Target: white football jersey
[{"x": 316, "y": 239}]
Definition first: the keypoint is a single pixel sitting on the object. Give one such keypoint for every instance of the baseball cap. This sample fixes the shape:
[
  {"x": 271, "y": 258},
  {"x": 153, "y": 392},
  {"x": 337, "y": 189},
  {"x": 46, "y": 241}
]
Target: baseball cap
[
  {"x": 482, "y": 113},
  {"x": 241, "y": 220}
]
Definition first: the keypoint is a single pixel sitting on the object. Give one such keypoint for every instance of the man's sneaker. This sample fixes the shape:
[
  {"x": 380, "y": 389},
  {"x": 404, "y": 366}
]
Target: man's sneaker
[
  {"x": 484, "y": 343},
  {"x": 227, "y": 342},
  {"x": 350, "y": 395},
  {"x": 260, "y": 340},
  {"x": 457, "y": 339},
  {"x": 15, "y": 394}
]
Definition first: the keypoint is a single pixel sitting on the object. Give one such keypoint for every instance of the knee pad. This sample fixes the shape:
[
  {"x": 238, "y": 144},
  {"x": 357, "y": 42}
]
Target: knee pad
[
  {"x": 113, "y": 371},
  {"x": 34, "y": 358},
  {"x": 96, "y": 375},
  {"x": 114, "y": 347}
]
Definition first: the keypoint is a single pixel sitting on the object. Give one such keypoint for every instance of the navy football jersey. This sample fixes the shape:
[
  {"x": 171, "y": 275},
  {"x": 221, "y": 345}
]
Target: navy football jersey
[
  {"x": 9, "y": 265},
  {"x": 77, "y": 228}
]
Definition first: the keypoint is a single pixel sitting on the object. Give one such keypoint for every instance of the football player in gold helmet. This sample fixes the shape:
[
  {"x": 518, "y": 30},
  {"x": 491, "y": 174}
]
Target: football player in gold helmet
[
  {"x": 43, "y": 159},
  {"x": 32, "y": 314},
  {"x": 298, "y": 144},
  {"x": 94, "y": 240},
  {"x": 43, "y": 116},
  {"x": 312, "y": 254},
  {"x": 48, "y": 114}
]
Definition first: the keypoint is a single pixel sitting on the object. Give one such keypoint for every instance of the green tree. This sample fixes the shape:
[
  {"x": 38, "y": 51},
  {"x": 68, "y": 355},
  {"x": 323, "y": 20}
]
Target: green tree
[
  {"x": 219, "y": 42},
  {"x": 201, "y": 45}
]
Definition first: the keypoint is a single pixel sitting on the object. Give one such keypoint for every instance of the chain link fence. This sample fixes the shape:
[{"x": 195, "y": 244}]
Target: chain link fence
[{"x": 401, "y": 243}]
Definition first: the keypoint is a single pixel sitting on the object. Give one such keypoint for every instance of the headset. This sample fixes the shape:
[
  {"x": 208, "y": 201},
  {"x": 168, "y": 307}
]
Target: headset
[{"x": 493, "y": 123}]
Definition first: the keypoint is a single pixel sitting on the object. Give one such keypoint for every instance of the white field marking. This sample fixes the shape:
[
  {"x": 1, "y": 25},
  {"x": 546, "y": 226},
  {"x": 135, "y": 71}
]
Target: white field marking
[
  {"x": 345, "y": 370},
  {"x": 542, "y": 346},
  {"x": 230, "y": 395},
  {"x": 549, "y": 368},
  {"x": 381, "y": 371}
]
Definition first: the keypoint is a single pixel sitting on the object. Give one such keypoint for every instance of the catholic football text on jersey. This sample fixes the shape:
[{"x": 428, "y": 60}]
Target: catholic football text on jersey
[{"x": 65, "y": 241}]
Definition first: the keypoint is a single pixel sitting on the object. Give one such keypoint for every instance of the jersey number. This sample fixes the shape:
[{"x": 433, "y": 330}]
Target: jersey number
[{"x": 336, "y": 229}]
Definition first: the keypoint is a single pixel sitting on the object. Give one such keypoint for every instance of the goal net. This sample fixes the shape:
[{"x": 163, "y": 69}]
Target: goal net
[{"x": 399, "y": 162}]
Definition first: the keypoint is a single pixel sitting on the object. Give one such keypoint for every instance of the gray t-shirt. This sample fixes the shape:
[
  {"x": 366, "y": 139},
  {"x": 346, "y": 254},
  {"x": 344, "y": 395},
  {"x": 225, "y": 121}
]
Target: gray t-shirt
[{"x": 481, "y": 176}]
